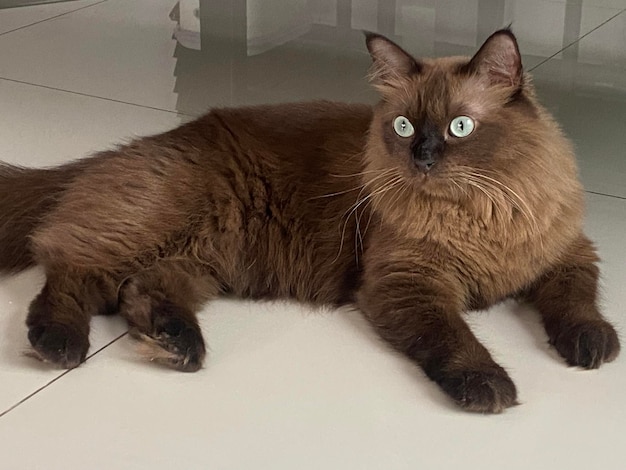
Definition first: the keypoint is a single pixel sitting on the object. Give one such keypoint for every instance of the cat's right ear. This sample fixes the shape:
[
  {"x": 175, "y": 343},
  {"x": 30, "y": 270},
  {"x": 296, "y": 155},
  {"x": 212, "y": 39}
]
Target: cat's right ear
[{"x": 392, "y": 65}]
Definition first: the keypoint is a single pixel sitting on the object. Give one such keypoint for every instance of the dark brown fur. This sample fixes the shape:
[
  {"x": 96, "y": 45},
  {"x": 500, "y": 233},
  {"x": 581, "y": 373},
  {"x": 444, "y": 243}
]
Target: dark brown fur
[{"x": 322, "y": 202}]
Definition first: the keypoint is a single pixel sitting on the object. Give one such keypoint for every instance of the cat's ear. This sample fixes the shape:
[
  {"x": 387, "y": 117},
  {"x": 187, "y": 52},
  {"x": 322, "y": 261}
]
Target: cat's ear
[
  {"x": 391, "y": 63},
  {"x": 499, "y": 60}
]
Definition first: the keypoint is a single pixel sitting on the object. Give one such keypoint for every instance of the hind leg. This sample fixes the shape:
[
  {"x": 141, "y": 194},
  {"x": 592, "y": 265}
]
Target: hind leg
[
  {"x": 160, "y": 305},
  {"x": 59, "y": 317}
]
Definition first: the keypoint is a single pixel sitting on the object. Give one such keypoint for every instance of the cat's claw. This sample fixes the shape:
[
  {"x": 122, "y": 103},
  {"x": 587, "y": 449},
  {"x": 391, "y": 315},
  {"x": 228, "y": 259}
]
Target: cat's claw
[
  {"x": 487, "y": 390},
  {"x": 588, "y": 344},
  {"x": 58, "y": 344},
  {"x": 174, "y": 343}
]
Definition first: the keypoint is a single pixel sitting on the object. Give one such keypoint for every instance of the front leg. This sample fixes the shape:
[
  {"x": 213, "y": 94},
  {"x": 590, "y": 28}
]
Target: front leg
[
  {"x": 567, "y": 298},
  {"x": 418, "y": 311}
]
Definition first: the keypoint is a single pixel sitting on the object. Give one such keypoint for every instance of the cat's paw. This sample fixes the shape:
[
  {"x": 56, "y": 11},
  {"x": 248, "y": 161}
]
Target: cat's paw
[
  {"x": 485, "y": 390},
  {"x": 59, "y": 344},
  {"x": 174, "y": 342},
  {"x": 587, "y": 344}
]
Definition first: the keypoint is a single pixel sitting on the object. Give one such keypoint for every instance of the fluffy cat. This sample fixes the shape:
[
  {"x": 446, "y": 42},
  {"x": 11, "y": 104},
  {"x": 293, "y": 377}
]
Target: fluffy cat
[{"x": 455, "y": 191}]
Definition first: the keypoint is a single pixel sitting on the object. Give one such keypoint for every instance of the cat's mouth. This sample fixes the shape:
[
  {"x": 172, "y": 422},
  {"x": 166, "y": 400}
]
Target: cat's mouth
[
  {"x": 438, "y": 182},
  {"x": 428, "y": 183},
  {"x": 429, "y": 174}
]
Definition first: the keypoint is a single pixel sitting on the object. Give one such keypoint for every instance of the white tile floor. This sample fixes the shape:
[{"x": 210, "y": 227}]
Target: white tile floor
[{"x": 286, "y": 387}]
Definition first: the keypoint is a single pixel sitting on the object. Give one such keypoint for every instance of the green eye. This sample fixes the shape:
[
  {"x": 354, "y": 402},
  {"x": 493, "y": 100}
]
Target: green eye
[
  {"x": 461, "y": 126},
  {"x": 403, "y": 127}
]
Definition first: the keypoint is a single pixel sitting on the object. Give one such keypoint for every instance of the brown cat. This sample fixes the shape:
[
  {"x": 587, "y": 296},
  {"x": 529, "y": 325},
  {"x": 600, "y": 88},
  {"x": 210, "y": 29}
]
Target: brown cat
[{"x": 456, "y": 191}]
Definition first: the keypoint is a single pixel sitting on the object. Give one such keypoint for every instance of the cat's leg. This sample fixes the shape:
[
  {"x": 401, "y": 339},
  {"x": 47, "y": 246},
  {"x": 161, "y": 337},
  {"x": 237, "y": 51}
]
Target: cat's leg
[
  {"x": 160, "y": 305},
  {"x": 567, "y": 298},
  {"x": 58, "y": 318},
  {"x": 418, "y": 312}
]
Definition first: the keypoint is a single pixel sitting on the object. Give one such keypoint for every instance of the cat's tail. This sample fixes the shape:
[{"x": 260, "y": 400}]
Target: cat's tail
[{"x": 26, "y": 195}]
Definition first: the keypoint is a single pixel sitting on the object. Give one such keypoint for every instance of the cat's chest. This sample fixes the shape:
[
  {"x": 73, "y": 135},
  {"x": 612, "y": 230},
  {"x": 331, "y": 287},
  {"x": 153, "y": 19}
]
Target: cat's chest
[
  {"x": 492, "y": 257},
  {"x": 457, "y": 228}
]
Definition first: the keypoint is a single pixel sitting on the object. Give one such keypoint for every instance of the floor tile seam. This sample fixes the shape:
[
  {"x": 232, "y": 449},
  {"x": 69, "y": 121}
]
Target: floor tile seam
[
  {"x": 104, "y": 98},
  {"x": 59, "y": 377},
  {"x": 612, "y": 196},
  {"x": 19, "y": 28},
  {"x": 577, "y": 40}
]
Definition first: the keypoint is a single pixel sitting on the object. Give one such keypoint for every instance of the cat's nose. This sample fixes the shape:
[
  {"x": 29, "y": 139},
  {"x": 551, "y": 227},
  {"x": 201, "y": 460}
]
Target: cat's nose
[
  {"x": 425, "y": 165},
  {"x": 428, "y": 148},
  {"x": 426, "y": 156}
]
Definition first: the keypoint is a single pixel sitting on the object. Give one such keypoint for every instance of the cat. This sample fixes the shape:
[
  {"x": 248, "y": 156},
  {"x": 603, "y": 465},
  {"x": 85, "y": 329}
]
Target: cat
[{"x": 456, "y": 191}]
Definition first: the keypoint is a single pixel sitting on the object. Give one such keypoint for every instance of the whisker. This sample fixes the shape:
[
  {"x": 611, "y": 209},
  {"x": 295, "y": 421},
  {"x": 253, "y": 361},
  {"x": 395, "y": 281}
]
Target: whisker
[
  {"x": 524, "y": 210},
  {"x": 370, "y": 201},
  {"x": 510, "y": 195},
  {"x": 359, "y": 202},
  {"x": 336, "y": 193},
  {"x": 360, "y": 173},
  {"x": 361, "y": 186},
  {"x": 486, "y": 192},
  {"x": 493, "y": 198}
]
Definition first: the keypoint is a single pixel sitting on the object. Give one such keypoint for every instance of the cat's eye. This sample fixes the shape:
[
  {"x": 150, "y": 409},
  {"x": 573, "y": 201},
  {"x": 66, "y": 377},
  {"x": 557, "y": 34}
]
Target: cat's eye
[
  {"x": 462, "y": 126},
  {"x": 403, "y": 127}
]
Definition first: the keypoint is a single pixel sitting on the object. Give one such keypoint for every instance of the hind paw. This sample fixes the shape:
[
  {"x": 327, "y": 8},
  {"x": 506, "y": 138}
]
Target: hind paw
[
  {"x": 59, "y": 344},
  {"x": 174, "y": 342}
]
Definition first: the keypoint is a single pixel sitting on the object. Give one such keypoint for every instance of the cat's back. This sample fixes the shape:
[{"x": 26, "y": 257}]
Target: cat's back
[
  {"x": 278, "y": 181},
  {"x": 286, "y": 119},
  {"x": 289, "y": 128}
]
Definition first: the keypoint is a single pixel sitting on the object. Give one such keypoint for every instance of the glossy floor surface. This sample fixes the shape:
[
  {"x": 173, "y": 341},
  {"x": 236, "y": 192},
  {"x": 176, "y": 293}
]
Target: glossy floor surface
[{"x": 286, "y": 387}]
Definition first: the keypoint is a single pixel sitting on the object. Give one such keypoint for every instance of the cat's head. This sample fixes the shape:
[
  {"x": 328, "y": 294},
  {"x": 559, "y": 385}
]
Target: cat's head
[{"x": 456, "y": 126}]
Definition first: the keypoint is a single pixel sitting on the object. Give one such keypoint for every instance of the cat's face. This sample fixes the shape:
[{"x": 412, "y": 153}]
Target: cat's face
[{"x": 448, "y": 126}]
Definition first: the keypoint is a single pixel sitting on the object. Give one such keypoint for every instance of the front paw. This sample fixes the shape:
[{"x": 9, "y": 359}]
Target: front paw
[
  {"x": 59, "y": 344},
  {"x": 488, "y": 389},
  {"x": 587, "y": 344}
]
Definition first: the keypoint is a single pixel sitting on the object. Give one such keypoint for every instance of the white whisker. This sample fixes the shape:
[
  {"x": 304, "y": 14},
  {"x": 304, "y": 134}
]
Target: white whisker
[
  {"x": 484, "y": 182},
  {"x": 364, "y": 201}
]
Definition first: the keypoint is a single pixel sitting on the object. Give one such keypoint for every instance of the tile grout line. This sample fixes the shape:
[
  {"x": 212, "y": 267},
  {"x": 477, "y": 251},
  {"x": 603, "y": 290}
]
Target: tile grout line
[
  {"x": 87, "y": 95},
  {"x": 566, "y": 47},
  {"x": 76, "y": 92},
  {"x": 577, "y": 40},
  {"x": 606, "y": 195},
  {"x": 193, "y": 116},
  {"x": 52, "y": 17},
  {"x": 63, "y": 374}
]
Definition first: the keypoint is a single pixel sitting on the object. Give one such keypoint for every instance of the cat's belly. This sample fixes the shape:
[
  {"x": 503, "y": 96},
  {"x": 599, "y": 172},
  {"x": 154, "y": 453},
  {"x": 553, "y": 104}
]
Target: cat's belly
[
  {"x": 304, "y": 273},
  {"x": 273, "y": 257}
]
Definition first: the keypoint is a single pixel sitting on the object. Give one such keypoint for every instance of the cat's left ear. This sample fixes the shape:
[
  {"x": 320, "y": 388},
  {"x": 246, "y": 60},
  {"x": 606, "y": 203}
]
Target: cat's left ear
[
  {"x": 499, "y": 60},
  {"x": 391, "y": 63}
]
